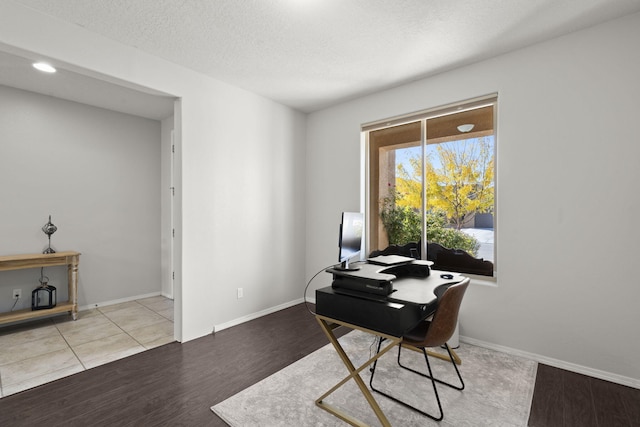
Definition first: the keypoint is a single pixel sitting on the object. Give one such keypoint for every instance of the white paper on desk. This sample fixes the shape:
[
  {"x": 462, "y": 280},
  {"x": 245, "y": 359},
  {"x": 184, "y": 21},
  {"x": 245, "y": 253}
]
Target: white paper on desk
[{"x": 390, "y": 260}]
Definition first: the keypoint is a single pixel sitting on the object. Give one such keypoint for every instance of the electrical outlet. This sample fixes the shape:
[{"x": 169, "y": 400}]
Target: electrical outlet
[
  {"x": 240, "y": 293},
  {"x": 17, "y": 293}
]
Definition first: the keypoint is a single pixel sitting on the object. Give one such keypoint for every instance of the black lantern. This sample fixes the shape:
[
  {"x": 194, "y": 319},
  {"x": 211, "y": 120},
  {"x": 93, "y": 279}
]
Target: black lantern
[{"x": 44, "y": 296}]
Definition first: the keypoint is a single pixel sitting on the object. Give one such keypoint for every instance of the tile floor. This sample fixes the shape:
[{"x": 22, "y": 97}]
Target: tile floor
[{"x": 41, "y": 351}]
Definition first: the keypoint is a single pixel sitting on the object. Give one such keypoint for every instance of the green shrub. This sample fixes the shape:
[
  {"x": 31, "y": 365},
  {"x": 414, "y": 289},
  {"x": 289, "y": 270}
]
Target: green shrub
[
  {"x": 403, "y": 225},
  {"x": 450, "y": 237}
]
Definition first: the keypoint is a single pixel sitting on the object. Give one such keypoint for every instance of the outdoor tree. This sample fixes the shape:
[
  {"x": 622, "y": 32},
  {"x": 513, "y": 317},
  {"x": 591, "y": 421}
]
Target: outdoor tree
[{"x": 459, "y": 180}]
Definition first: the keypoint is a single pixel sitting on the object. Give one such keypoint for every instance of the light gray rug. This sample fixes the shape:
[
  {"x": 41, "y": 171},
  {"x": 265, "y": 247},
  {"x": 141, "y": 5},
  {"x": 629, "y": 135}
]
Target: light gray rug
[{"x": 498, "y": 390}]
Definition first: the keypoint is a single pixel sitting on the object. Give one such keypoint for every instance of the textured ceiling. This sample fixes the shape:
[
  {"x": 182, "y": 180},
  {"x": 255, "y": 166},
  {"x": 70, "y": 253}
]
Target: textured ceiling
[{"x": 310, "y": 54}]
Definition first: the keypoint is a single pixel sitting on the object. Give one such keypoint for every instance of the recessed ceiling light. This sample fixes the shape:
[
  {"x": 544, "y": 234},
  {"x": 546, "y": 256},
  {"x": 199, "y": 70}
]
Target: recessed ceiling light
[
  {"x": 43, "y": 66},
  {"x": 465, "y": 128}
]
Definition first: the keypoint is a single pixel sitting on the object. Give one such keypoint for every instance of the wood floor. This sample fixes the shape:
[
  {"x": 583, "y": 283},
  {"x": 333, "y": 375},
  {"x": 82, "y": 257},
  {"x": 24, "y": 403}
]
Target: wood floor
[
  {"x": 563, "y": 398},
  {"x": 176, "y": 384}
]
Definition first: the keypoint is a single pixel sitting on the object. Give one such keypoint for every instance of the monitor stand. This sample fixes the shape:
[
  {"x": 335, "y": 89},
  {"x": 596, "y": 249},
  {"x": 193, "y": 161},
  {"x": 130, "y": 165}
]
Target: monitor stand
[{"x": 346, "y": 266}]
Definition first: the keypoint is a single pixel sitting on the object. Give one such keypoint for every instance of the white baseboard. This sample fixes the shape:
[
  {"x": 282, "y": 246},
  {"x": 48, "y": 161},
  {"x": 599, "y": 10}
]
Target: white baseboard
[
  {"x": 252, "y": 316},
  {"x": 117, "y": 301},
  {"x": 603, "y": 375}
]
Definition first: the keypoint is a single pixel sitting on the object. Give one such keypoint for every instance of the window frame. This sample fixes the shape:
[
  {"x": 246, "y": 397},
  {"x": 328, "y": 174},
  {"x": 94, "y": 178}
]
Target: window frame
[{"x": 371, "y": 157}]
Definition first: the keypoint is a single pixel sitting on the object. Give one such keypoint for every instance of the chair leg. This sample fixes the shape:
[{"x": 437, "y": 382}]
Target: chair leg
[
  {"x": 433, "y": 417},
  {"x": 451, "y": 358}
]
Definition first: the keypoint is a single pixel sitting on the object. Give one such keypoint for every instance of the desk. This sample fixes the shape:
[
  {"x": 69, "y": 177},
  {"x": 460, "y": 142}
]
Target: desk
[
  {"x": 17, "y": 262},
  {"x": 363, "y": 313}
]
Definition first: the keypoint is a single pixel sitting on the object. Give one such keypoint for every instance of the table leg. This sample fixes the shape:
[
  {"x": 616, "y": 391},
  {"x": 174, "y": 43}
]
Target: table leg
[
  {"x": 72, "y": 277},
  {"x": 354, "y": 373}
]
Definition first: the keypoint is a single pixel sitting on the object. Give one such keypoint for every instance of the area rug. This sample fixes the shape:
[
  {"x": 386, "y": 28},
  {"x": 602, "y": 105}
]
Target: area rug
[{"x": 498, "y": 390}]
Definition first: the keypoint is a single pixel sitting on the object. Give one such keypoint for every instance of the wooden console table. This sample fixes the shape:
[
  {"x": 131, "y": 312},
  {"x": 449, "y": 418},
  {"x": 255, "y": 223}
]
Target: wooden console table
[{"x": 18, "y": 262}]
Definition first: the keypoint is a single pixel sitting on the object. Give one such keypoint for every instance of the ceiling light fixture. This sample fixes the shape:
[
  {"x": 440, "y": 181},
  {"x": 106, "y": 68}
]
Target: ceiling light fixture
[
  {"x": 43, "y": 66},
  {"x": 465, "y": 128}
]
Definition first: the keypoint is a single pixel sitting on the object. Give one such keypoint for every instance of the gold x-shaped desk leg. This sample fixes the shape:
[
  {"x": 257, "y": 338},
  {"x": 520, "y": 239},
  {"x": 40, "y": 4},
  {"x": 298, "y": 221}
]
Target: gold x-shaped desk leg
[{"x": 327, "y": 324}]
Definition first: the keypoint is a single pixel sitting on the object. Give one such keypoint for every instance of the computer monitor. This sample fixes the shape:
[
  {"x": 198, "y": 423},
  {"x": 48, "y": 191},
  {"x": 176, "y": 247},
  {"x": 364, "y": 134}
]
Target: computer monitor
[{"x": 350, "y": 240}]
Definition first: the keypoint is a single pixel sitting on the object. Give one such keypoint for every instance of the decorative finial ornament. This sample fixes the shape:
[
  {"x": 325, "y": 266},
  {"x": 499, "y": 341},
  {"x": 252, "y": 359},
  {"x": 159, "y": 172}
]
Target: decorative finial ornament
[{"x": 49, "y": 229}]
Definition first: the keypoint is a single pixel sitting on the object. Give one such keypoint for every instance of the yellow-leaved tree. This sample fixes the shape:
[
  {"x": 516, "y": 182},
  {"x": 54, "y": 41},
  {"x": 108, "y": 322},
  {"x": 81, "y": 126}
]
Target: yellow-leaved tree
[
  {"x": 459, "y": 179},
  {"x": 409, "y": 184}
]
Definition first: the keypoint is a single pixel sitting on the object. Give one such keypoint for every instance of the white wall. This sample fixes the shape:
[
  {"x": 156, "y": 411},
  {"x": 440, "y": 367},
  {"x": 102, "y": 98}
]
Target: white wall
[
  {"x": 241, "y": 174},
  {"x": 96, "y": 172},
  {"x": 567, "y": 194}
]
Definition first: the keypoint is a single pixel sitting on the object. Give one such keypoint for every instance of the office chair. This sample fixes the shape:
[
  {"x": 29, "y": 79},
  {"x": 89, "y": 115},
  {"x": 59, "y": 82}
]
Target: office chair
[{"x": 432, "y": 333}]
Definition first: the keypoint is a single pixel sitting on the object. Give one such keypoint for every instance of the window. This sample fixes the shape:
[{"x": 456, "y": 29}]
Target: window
[{"x": 431, "y": 189}]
